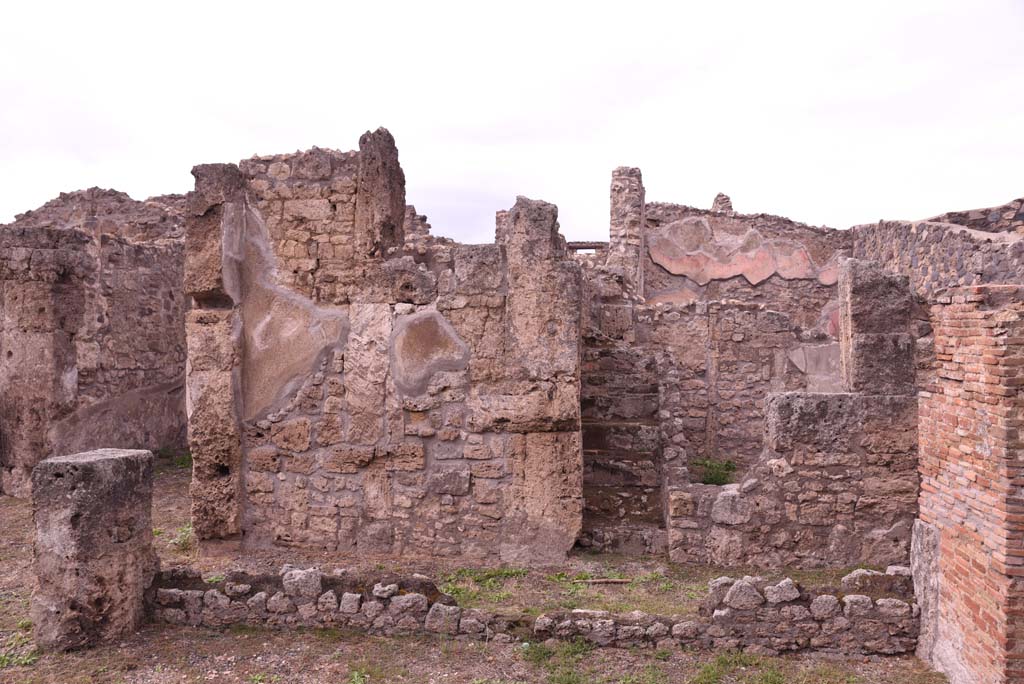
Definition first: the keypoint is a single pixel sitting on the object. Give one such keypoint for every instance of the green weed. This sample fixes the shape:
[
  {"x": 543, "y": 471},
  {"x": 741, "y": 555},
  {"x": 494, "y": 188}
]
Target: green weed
[
  {"x": 468, "y": 585},
  {"x": 715, "y": 472},
  {"x": 722, "y": 666},
  {"x": 16, "y": 652},
  {"x": 184, "y": 539}
]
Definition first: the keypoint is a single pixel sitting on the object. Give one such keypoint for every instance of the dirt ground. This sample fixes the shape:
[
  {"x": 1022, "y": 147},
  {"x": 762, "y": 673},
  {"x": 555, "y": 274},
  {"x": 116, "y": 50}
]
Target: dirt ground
[{"x": 162, "y": 654}]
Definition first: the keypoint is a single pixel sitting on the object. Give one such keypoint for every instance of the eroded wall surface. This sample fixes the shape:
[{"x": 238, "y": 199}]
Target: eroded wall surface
[
  {"x": 1003, "y": 219},
  {"x": 836, "y": 483},
  {"x": 691, "y": 318},
  {"x": 92, "y": 346},
  {"x": 352, "y": 389}
]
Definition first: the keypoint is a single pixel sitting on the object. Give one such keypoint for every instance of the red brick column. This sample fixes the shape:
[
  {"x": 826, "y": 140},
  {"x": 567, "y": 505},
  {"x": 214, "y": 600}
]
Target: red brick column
[{"x": 969, "y": 542}]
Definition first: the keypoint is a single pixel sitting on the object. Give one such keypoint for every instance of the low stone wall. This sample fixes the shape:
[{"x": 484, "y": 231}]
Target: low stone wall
[
  {"x": 873, "y": 613},
  {"x": 299, "y": 597},
  {"x": 764, "y": 618}
]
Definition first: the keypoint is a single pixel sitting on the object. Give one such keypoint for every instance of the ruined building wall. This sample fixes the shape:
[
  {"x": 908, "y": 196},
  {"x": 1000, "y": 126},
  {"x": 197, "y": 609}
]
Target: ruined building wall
[
  {"x": 691, "y": 318},
  {"x": 969, "y": 541},
  {"x": 954, "y": 249},
  {"x": 353, "y": 389},
  {"x": 1003, "y": 219},
  {"x": 951, "y": 250},
  {"x": 92, "y": 348},
  {"x": 836, "y": 483}
]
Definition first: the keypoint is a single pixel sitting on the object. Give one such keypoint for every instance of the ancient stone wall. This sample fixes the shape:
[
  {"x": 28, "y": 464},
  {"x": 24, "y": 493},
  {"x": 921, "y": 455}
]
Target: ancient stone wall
[
  {"x": 691, "y": 318},
  {"x": 746, "y": 613},
  {"x": 1007, "y": 218},
  {"x": 969, "y": 541},
  {"x": 350, "y": 389},
  {"x": 936, "y": 256},
  {"x": 92, "y": 348},
  {"x": 836, "y": 483}
]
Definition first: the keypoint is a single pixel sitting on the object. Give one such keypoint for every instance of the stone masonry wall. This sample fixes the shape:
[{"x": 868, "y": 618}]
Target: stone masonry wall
[
  {"x": 352, "y": 390},
  {"x": 836, "y": 483},
  {"x": 936, "y": 256},
  {"x": 1004, "y": 219},
  {"x": 969, "y": 541},
  {"x": 748, "y": 613},
  {"x": 92, "y": 348},
  {"x": 691, "y": 318}
]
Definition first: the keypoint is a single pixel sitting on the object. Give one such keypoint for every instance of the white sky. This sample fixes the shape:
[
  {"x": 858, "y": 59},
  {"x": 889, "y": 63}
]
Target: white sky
[{"x": 820, "y": 112}]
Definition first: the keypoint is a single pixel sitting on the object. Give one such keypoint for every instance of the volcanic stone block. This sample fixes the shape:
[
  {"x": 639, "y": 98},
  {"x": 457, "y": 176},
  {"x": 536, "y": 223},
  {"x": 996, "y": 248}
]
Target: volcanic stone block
[
  {"x": 423, "y": 344},
  {"x": 213, "y": 432},
  {"x": 217, "y": 184},
  {"x": 366, "y": 369},
  {"x": 877, "y": 351},
  {"x": 543, "y": 291},
  {"x": 380, "y": 203},
  {"x": 94, "y": 553},
  {"x": 546, "y": 494}
]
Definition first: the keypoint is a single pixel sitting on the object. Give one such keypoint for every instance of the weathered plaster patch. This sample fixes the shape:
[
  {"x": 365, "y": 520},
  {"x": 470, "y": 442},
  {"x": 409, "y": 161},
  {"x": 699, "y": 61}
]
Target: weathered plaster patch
[
  {"x": 423, "y": 344},
  {"x": 283, "y": 333},
  {"x": 690, "y": 247}
]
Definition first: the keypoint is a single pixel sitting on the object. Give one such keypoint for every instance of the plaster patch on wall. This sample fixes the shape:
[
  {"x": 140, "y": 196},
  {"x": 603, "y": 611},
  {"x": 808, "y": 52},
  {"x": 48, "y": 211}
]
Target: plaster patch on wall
[
  {"x": 691, "y": 247},
  {"x": 423, "y": 344},
  {"x": 283, "y": 333}
]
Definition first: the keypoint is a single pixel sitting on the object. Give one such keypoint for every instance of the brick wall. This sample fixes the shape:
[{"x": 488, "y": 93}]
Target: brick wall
[{"x": 969, "y": 544}]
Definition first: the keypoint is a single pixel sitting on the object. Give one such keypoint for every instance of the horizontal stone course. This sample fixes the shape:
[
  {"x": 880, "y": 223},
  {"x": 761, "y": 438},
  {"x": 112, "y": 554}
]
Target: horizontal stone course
[{"x": 746, "y": 613}]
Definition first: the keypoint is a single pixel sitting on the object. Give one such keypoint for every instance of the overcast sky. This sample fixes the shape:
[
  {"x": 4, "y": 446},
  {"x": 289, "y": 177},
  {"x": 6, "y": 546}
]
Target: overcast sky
[{"x": 824, "y": 112}]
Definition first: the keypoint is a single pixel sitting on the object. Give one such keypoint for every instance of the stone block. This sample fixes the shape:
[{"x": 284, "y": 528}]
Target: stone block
[
  {"x": 443, "y": 619},
  {"x": 347, "y": 459},
  {"x": 94, "y": 556},
  {"x": 876, "y": 348}
]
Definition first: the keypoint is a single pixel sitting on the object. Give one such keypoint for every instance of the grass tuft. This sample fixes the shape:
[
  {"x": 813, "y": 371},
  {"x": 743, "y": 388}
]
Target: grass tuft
[{"x": 715, "y": 472}]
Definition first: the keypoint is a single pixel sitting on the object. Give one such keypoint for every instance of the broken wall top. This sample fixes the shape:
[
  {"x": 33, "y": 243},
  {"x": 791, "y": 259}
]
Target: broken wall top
[
  {"x": 331, "y": 219},
  {"x": 1003, "y": 219},
  {"x": 97, "y": 211},
  {"x": 706, "y": 245}
]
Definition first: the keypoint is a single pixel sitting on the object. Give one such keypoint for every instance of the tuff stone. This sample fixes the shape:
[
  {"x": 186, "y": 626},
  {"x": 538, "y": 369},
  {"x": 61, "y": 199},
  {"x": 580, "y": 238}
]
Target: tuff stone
[
  {"x": 824, "y": 606},
  {"x": 305, "y": 584},
  {"x": 408, "y": 604},
  {"x": 350, "y": 603},
  {"x": 94, "y": 557},
  {"x": 328, "y": 602},
  {"x": 443, "y": 619},
  {"x": 384, "y": 591},
  {"x": 786, "y": 590},
  {"x": 856, "y": 605},
  {"x": 743, "y": 595}
]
